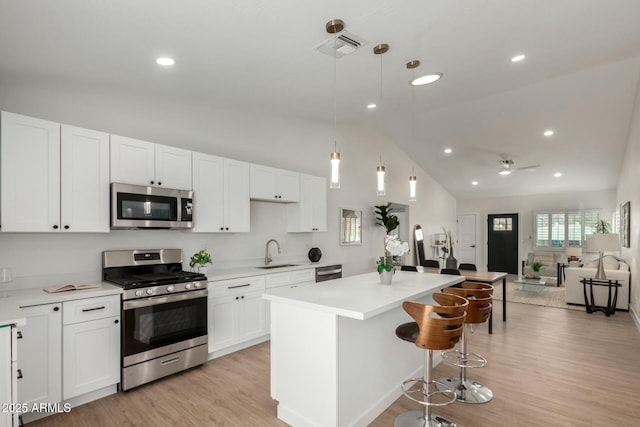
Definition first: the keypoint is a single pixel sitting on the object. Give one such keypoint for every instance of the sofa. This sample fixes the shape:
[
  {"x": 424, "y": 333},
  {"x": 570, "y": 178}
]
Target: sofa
[
  {"x": 549, "y": 262},
  {"x": 614, "y": 268}
]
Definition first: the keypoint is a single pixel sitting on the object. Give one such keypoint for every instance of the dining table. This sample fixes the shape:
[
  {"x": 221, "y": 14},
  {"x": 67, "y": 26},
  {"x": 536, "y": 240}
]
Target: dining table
[{"x": 490, "y": 277}]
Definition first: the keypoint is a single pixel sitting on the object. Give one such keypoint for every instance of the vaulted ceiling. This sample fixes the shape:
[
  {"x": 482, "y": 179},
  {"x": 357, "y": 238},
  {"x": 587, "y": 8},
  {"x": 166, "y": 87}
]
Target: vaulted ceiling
[{"x": 579, "y": 77}]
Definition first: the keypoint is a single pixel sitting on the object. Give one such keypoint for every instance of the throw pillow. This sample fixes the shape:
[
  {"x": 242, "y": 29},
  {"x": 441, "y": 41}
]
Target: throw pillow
[{"x": 543, "y": 258}]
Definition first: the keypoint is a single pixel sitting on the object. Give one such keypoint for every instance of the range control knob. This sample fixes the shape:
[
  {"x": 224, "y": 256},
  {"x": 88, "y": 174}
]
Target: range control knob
[
  {"x": 149, "y": 291},
  {"x": 187, "y": 286},
  {"x": 138, "y": 293},
  {"x": 171, "y": 288},
  {"x": 196, "y": 284}
]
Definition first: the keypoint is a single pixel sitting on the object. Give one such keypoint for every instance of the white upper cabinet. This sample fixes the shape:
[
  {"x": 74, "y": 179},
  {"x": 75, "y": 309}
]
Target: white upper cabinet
[
  {"x": 173, "y": 167},
  {"x": 275, "y": 185},
  {"x": 84, "y": 180},
  {"x": 221, "y": 194},
  {"x": 310, "y": 214},
  {"x": 54, "y": 177},
  {"x": 138, "y": 162},
  {"x": 30, "y": 156},
  {"x": 132, "y": 161}
]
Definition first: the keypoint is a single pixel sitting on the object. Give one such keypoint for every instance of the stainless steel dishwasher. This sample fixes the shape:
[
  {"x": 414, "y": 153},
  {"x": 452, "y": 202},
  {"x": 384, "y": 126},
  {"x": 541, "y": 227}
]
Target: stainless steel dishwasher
[{"x": 328, "y": 272}]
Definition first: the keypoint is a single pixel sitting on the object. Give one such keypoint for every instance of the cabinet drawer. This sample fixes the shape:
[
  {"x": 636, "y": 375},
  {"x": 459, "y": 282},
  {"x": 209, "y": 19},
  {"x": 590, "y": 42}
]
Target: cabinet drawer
[
  {"x": 236, "y": 286},
  {"x": 302, "y": 276},
  {"x": 83, "y": 310},
  {"x": 277, "y": 279},
  {"x": 290, "y": 278}
]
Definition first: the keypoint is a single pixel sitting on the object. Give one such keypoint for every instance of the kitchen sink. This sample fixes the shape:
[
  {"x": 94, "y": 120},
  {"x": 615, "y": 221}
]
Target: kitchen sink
[{"x": 267, "y": 267}]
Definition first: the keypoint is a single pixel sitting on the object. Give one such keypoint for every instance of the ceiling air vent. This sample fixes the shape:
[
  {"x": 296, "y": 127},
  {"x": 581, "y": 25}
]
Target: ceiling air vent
[{"x": 345, "y": 44}]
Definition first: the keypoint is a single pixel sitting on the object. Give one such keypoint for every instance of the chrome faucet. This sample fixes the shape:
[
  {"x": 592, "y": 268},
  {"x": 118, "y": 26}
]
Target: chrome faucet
[{"x": 267, "y": 258}]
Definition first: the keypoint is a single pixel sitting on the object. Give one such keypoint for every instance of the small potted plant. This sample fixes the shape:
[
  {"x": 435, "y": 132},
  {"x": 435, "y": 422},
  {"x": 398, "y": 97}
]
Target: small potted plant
[
  {"x": 536, "y": 266},
  {"x": 200, "y": 260}
]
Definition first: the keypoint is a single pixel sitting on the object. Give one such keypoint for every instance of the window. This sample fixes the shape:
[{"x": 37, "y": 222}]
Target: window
[
  {"x": 559, "y": 229},
  {"x": 502, "y": 224}
]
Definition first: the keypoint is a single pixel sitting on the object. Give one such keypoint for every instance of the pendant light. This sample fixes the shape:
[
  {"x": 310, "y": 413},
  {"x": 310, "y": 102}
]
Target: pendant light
[
  {"x": 380, "y": 171},
  {"x": 380, "y": 175},
  {"x": 412, "y": 186},
  {"x": 334, "y": 27},
  {"x": 412, "y": 65}
]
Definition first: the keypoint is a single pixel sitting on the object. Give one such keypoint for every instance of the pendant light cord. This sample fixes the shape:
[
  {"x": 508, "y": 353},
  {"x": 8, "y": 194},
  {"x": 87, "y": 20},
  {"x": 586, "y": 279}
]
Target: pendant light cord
[{"x": 335, "y": 94}]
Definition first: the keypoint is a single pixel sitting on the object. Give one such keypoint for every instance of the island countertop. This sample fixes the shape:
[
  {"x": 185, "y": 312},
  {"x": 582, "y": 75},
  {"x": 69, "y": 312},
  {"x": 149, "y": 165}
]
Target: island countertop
[{"x": 362, "y": 296}]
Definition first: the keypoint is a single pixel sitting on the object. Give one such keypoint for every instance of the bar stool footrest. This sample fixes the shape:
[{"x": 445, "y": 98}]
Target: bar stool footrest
[
  {"x": 467, "y": 360},
  {"x": 414, "y": 389}
]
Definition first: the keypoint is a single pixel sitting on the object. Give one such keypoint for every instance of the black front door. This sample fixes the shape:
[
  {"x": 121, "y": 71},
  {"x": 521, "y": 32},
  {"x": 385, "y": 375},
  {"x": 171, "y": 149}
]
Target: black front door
[{"x": 502, "y": 245}]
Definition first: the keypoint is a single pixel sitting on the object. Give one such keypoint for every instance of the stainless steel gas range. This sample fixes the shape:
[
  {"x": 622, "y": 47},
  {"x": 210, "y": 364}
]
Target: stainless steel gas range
[{"x": 164, "y": 313}]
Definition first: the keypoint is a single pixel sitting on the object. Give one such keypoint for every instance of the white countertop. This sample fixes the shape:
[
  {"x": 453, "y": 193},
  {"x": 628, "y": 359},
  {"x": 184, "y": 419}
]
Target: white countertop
[
  {"x": 237, "y": 272},
  {"x": 362, "y": 296},
  {"x": 10, "y": 305}
]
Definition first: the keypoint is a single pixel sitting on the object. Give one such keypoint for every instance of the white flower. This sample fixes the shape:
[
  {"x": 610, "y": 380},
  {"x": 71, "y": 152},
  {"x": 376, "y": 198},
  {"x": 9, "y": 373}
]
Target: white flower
[{"x": 395, "y": 246}]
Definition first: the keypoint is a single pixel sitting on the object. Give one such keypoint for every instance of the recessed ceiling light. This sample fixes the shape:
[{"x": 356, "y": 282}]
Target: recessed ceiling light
[
  {"x": 371, "y": 106},
  {"x": 548, "y": 132},
  {"x": 557, "y": 174},
  {"x": 518, "y": 58},
  {"x": 448, "y": 150},
  {"x": 505, "y": 172},
  {"x": 426, "y": 79},
  {"x": 474, "y": 182},
  {"x": 165, "y": 61}
]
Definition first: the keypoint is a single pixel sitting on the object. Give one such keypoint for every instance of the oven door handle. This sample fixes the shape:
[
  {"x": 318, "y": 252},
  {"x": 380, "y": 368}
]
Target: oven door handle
[{"x": 128, "y": 305}]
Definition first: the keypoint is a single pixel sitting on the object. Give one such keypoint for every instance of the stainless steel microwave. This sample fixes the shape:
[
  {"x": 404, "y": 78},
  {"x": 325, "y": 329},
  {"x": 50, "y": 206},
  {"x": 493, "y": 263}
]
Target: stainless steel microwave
[{"x": 137, "y": 206}]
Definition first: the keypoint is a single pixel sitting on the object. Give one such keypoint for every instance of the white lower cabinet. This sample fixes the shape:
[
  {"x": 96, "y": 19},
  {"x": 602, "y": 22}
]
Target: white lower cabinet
[
  {"x": 292, "y": 279},
  {"x": 67, "y": 349},
  {"x": 40, "y": 355},
  {"x": 91, "y": 345},
  {"x": 8, "y": 377},
  {"x": 236, "y": 312}
]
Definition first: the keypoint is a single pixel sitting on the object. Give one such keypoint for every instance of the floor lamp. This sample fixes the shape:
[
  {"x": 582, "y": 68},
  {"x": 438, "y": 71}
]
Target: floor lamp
[{"x": 602, "y": 243}]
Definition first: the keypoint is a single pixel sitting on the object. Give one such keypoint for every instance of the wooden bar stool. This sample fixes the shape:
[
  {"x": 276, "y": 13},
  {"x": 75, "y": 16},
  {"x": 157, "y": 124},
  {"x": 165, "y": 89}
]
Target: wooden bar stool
[
  {"x": 437, "y": 327},
  {"x": 479, "y": 296}
]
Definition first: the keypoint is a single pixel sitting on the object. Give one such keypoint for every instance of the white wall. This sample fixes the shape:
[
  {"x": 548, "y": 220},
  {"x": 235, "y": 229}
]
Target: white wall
[
  {"x": 525, "y": 206},
  {"x": 629, "y": 191},
  {"x": 295, "y": 144}
]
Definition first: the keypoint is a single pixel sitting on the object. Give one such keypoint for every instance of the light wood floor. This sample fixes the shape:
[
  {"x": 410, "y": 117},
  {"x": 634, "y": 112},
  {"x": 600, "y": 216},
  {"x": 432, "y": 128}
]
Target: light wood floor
[{"x": 547, "y": 366}]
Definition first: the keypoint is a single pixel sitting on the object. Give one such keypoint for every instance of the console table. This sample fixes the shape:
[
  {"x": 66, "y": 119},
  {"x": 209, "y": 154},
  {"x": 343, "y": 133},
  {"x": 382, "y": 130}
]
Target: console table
[{"x": 590, "y": 304}]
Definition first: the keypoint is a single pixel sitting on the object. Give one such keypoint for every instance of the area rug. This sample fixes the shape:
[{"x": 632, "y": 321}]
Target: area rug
[{"x": 549, "y": 296}]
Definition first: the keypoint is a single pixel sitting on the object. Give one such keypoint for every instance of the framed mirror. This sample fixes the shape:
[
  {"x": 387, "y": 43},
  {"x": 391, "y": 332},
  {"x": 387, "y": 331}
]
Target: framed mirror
[
  {"x": 419, "y": 244},
  {"x": 350, "y": 227}
]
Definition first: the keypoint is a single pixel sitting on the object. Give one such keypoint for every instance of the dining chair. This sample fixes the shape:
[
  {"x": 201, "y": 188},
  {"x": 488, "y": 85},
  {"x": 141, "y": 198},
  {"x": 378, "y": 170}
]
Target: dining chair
[
  {"x": 431, "y": 263},
  {"x": 452, "y": 271},
  {"x": 468, "y": 267}
]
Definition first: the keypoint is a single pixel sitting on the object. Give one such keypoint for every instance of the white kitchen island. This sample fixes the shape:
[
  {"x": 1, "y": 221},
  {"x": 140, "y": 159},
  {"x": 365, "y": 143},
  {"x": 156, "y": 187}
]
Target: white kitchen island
[{"x": 335, "y": 359}]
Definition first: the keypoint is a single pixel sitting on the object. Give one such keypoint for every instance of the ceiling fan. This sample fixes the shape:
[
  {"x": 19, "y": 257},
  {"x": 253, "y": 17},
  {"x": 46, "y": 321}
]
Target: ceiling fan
[{"x": 506, "y": 166}]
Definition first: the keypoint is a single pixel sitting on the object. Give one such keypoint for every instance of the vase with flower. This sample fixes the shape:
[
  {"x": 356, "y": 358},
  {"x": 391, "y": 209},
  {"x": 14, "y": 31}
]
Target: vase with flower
[{"x": 395, "y": 247}]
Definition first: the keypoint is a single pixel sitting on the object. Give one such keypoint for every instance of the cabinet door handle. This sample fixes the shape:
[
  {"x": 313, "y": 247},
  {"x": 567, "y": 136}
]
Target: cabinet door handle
[
  {"x": 84, "y": 310},
  {"x": 116, "y": 321},
  {"x": 66, "y": 227},
  {"x": 55, "y": 227},
  {"x": 19, "y": 335},
  {"x": 56, "y": 308},
  {"x": 239, "y": 286},
  {"x": 151, "y": 182},
  {"x": 19, "y": 374},
  {"x": 159, "y": 183}
]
